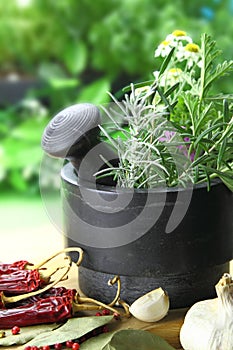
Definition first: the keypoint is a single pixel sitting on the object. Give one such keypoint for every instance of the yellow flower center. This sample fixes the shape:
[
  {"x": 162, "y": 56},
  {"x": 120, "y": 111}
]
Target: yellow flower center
[
  {"x": 179, "y": 33},
  {"x": 165, "y": 43},
  {"x": 175, "y": 71},
  {"x": 192, "y": 47}
]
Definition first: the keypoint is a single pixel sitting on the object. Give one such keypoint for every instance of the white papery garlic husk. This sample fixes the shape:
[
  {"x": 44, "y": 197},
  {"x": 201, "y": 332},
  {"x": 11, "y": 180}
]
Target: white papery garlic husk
[
  {"x": 151, "y": 307},
  {"x": 208, "y": 324}
]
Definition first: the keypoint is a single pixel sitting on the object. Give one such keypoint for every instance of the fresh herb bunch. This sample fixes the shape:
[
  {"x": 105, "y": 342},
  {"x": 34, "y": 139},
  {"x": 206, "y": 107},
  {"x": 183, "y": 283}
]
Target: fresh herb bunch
[{"x": 174, "y": 129}]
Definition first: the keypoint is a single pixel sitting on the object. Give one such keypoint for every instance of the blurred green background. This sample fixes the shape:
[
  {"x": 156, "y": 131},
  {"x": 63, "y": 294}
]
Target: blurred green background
[{"x": 57, "y": 53}]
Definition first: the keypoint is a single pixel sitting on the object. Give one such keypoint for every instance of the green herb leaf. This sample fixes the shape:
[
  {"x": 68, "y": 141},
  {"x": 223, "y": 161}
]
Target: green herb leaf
[
  {"x": 127, "y": 339},
  {"x": 171, "y": 89},
  {"x": 227, "y": 180},
  {"x": 137, "y": 85},
  {"x": 74, "y": 328},
  {"x": 220, "y": 71},
  {"x": 166, "y": 62},
  {"x": 26, "y": 334},
  {"x": 205, "y": 132}
]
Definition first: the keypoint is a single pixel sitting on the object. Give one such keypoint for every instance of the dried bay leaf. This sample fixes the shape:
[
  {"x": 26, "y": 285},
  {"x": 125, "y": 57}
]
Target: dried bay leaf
[
  {"x": 136, "y": 338},
  {"x": 97, "y": 342},
  {"x": 126, "y": 339},
  {"x": 74, "y": 328},
  {"x": 26, "y": 334}
]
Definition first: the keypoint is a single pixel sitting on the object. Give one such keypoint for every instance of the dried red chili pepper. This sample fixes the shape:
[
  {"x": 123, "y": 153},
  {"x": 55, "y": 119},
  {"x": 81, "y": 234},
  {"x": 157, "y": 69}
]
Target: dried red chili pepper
[
  {"x": 52, "y": 292},
  {"x": 63, "y": 304},
  {"x": 17, "y": 265},
  {"x": 48, "y": 310},
  {"x": 7, "y": 297},
  {"x": 24, "y": 277},
  {"x": 21, "y": 281}
]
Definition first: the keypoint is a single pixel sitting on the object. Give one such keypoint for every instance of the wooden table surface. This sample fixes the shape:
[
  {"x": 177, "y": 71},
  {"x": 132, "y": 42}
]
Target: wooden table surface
[
  {"x": 39, "y": 239},
  {"x": 168, "y": 328}
]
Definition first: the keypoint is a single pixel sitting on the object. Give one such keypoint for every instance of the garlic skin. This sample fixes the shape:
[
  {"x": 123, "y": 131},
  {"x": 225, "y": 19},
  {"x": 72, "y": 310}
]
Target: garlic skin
[
  {"x": 151, "y": 307},
  {"x": 208, "y": 324}
]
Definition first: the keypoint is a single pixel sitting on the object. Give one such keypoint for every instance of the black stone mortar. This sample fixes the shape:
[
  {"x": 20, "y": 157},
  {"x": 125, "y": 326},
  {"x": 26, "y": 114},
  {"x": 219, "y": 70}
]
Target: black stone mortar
[{"x": 186, "y": 262}]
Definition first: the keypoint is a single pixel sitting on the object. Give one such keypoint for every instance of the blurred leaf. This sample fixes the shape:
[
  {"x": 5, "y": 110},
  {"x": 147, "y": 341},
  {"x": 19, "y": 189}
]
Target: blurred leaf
[
  {"x": 30, "y": 130},
  {"x": 75, "y": 57},
  {"x": 48, "y": 71},
  {"x": 59, "y": 83},
  {"x": 96, "y": 92},
  {"x": 19, "y": 153},
  {"x": 17, "y": 180}
]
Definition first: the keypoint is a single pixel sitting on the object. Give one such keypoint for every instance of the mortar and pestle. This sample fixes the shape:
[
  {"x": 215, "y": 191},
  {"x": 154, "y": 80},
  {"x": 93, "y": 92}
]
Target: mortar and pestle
[{"x": 123, "y": 231}]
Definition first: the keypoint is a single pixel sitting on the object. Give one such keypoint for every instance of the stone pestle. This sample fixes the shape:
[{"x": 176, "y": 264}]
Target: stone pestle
[{"x": 74, "y": 134}]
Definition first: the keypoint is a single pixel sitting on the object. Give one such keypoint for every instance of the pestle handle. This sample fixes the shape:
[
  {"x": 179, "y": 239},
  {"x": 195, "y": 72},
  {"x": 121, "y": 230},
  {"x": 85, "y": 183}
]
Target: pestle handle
[{"x": 71, "y": 130}]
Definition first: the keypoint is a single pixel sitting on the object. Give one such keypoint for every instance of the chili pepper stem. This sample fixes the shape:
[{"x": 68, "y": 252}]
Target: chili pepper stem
[
  {"x": 111, "y": 282},
  {"x": 126, "y": 307},
  {"x": 66, "y": 250},
  {"x": 47, "y": 273},
  {"x": 117, "y": 300},
  {"x": 80, "y": 305},
  {"x": 14, "y": 299}
]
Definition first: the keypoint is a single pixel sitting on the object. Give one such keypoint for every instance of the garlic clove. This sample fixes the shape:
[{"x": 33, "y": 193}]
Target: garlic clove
[{"x": 151, "y": 307}]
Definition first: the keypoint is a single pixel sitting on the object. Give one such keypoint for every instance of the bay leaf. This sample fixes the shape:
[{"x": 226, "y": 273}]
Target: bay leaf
[
  {"x": 26, "y": 334},
  {"x": 74, "y": 328},
  {"x": 126, "y": 339},
  {"x": 97, "y": 342},
  {"x": 137, "y": 339}
]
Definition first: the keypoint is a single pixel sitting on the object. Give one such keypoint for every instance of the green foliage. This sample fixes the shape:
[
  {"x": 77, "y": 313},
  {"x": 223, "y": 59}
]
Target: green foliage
[
  {"x": 80, "y": 49},
  {"x": 178, "y": 131},
  {"x": 110, "y": 37},
  {"x": 20, "y": 151}
]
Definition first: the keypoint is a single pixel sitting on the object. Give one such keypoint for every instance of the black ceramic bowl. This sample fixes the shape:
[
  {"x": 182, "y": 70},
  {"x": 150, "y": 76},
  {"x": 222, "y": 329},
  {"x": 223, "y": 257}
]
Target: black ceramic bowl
[{"x": 177, "y": 239}]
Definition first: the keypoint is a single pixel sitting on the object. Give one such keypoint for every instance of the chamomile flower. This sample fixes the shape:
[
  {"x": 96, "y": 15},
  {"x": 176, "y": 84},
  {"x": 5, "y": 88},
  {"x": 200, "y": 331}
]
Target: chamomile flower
[
  {"x": 163, "y": 49},
  {"x": 170, "y": 77},
  {"x": 192, "y": 54},
  {"x": 174, "y": 75},
  {"x": 177, "y": 39},
  {"x": 178, "y": 36}
]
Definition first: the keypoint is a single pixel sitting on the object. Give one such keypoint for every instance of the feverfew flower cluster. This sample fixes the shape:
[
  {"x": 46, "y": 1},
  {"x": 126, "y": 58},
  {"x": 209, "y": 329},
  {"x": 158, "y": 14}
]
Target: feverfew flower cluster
[
  {"x": 177, "y": 39},
  {"x": 186, "y": 58},
  {"x": 186, "y": 50}
]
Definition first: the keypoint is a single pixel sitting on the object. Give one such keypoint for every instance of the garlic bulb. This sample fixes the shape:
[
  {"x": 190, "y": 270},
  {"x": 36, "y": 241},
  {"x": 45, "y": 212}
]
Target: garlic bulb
[
  {"x": 151, "y": 307},
  {"x": 208, "y": 324}
]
